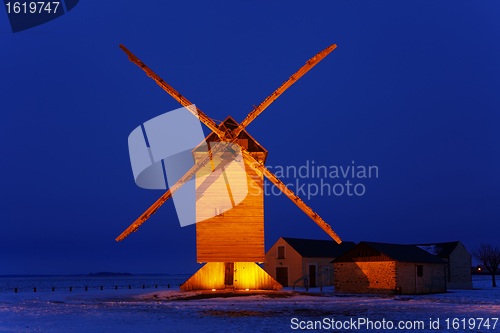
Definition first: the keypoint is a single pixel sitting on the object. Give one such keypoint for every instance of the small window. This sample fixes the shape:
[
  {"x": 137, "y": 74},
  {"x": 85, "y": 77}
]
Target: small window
[
  {"x": 420, "y": 270},
  {"x": 281, "y": 252}
]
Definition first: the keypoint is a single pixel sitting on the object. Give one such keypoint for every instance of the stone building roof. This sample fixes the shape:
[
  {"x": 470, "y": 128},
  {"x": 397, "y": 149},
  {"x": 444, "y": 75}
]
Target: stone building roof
[
  {"x": 398, "y": 252},
  {"x": 313, "y": 248}
]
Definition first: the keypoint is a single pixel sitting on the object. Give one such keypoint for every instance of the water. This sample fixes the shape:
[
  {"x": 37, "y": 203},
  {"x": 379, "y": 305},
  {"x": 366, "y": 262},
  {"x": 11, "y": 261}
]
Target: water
[{"x": 45, "y": 283}]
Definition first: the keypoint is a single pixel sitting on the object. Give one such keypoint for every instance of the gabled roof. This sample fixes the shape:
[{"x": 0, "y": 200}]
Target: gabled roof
[
  {"x": 441, "y": 250},
  {"x": 398, "y": 252},
  {"x": 313, "y": 248},
  {"x": 231, "y": 124}
]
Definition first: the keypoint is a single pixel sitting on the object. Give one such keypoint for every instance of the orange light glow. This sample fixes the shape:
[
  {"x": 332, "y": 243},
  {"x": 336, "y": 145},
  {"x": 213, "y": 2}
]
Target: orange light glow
[{"x": 246, "y": 276}]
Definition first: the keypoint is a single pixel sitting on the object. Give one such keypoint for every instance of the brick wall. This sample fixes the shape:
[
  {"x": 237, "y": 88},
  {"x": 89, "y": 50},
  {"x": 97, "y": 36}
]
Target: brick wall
[
  {"x": 384, "y": 276},
  {"x": 432, "y": 280},
  {"x": 365, "y": 277}
]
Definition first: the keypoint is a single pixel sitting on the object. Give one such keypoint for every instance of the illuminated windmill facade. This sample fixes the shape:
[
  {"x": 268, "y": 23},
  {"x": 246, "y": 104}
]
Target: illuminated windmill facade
[
  {"x": 231, "y": 242},
  {"x": 236, "y": 234}
]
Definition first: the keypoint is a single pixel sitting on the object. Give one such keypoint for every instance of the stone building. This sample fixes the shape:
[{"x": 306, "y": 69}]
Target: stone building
[
  {"x": 389, "y": 269},
  {"x": 293, "y": 260},
  {"x": 458, "y": 259}
]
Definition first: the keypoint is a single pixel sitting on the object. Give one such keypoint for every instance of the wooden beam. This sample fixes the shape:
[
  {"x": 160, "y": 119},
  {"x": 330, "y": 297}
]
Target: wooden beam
[
  {"x": 304, "y": 69},
  {"x": 305, "y": 208},
  {"x": 174, "y": 93},
  {"x": 151, "y": 210}
]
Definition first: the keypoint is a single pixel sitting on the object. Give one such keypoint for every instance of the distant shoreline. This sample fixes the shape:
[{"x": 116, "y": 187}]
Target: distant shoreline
[
  {"x": 87, "y": 275},
  {"x": 109, "y": 274}
]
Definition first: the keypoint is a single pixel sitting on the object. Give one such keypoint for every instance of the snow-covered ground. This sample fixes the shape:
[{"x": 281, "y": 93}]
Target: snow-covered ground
[{"x": 170, "y": 310}]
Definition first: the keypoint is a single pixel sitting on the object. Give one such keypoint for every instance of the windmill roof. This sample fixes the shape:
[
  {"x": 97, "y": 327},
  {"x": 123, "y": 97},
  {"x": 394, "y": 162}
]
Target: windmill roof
[
  {"x": 314, "y": 248},
  {"x": 402, "y": 253},
  {"x": 231, "y": 124}
]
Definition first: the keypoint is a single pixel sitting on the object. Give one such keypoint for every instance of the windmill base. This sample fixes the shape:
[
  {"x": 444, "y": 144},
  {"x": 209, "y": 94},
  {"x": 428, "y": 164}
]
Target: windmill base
[{"x": 232, "y": 276}]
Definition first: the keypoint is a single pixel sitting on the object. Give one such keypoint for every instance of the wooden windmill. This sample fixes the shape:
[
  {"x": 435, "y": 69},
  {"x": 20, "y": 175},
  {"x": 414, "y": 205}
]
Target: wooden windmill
[{"x": 231, "y": 243}]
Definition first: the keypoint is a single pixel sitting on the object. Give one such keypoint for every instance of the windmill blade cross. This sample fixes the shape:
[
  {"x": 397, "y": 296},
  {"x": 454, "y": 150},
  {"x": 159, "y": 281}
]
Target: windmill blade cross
[{"x": 231, "y": 137}]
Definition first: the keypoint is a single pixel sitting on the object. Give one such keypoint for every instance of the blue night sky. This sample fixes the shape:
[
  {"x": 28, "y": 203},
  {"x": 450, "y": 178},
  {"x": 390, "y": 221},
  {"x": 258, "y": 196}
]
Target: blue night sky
[{"x": 412, "y": 88}]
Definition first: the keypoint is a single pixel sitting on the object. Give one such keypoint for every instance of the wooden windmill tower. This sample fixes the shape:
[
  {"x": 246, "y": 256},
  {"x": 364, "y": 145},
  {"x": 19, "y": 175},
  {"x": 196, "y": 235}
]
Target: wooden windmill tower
[{"x": 231, "y": 242}]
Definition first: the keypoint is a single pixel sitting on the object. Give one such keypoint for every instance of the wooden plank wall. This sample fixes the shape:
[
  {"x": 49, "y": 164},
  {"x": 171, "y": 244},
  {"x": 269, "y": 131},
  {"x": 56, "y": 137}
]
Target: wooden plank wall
[
  {"x": 237, "y": 235},
  {"x": 247, "y": 275},
  {"x": 210, "y": 276}
]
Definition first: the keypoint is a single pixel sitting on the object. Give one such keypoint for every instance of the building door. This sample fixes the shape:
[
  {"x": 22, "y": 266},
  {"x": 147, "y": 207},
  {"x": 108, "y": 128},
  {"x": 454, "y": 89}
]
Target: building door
[
  {"x": 282, "y": 276},
  {"x": 229, "y": 273},
  {"x": 312, "y": 276}
]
